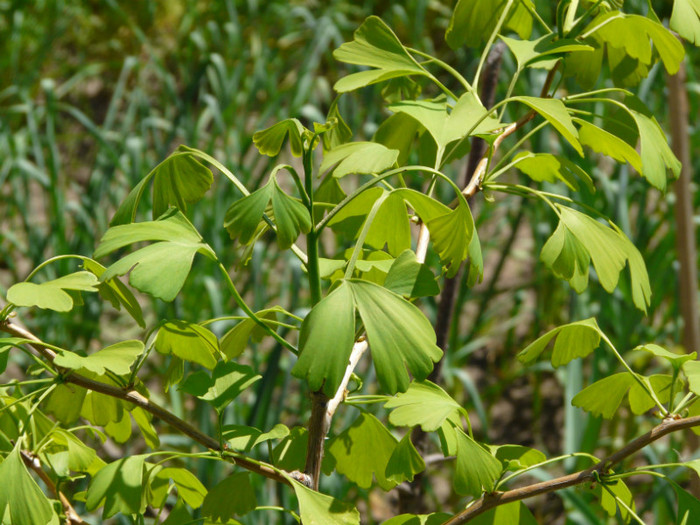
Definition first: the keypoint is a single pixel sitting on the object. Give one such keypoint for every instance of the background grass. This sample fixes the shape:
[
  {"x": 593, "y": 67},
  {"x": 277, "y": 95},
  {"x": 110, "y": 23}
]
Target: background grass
[{"x": 94, "y": 94}]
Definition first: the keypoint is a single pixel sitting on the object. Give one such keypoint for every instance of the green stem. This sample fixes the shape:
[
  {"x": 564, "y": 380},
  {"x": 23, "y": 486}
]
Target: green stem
[
  {"x": 570, "y": 16},
  {"x": 544, "y": 463},
  {"x": 446, "y": 67},
  {"x": 623, "y": 504},
  {"x": 494, "y": 34},
  {"x": 54, "y": 259},
  {"x": 363, "y": 235},
  {"x": 242, "y": 304},
  {"x": 312, "y": 252},
  {"x": 689, "y": 399}
]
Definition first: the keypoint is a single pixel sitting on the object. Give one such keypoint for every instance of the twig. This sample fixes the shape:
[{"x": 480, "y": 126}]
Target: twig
[
  {"x": 489, "y": 501},
  {"x": 32, "y": 462},
  {"x": 136, "y": 398}
]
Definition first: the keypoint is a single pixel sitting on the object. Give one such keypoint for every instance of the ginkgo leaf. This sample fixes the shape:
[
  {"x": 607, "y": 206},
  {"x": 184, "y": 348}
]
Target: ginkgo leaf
[
  {"x": 52, "y": 294},
  {"x": 691, "y": 369},
  {"x": 603, "y": 397},
  {"x": 291, "y": 216},
  {"x": 243, "y": 216},
  {"x": 116, "y": 292},
  {"x": 21, "y": 499},
  {"x": 159, "y": 269},
  {"x": 118, "y": 487},
  {"x": 399, "y": 336},
  {"x": 451, "y": 234},
  {"x": 225, "y": 384},
  {"x": 685, "y": 19},
  {"x": 515, "y": 513},
  {"x": 611, "y": 494},
  {"x": 545, "y": 167},
  {"x": 688, "y": 505},
  {"x": 375, "y": 45},
  {"x": 269, "y": 141},
  {"x": 234, "y": 496},
  {"x": 535, "y": 52},
  {"x": 398, "y": 132},
  {"x": 476, "y": 469},
  {"x": 362, "y": 450},
  {"x": 473, "y": 21},
  {"x": 658, "y": 161},
  {"x": 326, "y": 339},
  {"x": 676, "y": 360},
  {"x": 436, "y": 518},
  {"x": 405, "y": 462},
  {"x": 234, "y": 342},
  {"x": 117, "y": 358},
  {"x": 358, "y": 158},
  {"x": 240, "y": 437},
  {"x": 189, "y": 488},
  {"x": 556, "y": 114},
  {"x": 571, "y": 340},
  {"x": 424, "y": 404},
  {"x": 290, "y": 453},
  {"x": 518, "y": 457},
  {"x": 410, "y": 278},
  {"x": 178, "y": 180},
  {"x": 319, "y": 509},
  {"x": 607, "y": 143},
  {"x": 188, "y": 341},
  {"x": 579, "y": 239}
]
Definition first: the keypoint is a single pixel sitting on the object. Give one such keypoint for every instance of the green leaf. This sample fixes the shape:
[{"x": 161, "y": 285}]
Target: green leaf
[
  {"x": 685, "y": 19},
  {"x": 544, "y": 167},
  {"x": 580, "y": 238},
  {"x": 608, "y": 144},
  {"x": 418, "y": 519},
  {"x": 144, "y": 420},
  {"x": 117, "y": 358},
  {"x": 118, "y": 486},
  {"x": 269, "y": 141},
  {"x": 364, "y": 449},
  {"x": 398, "y": 132},
  {"x": 340, "y": 133},
  {"x": 319, "y": 509},
  {"x": 476, "y": 469},
  {"x": 515, "y": 513},
  {"x": 556, "y": 114},
  {"x": 391, "y": 226},
  {"x": 658, "y": 161},
  {"x": 688, "y": 505},
  {"x": 159, "y": 269},
  {"x": 178, "y": 180},
  {"x": 234, "y": 496},
  {"x": 243, "y": 216},
  {"x": 66, "y": 402},
  {"x": 451, "y": 235},
  {"x": 609, "y": 495},
  {"x": 326, "y": 340},
  {"x": 424, "y": 404},
  {"x": 639, "y": 399},
  {"x": 241, "y": 437},
  {"x": 543, "y": 51},
  {"x": 405, "y": 462},
  {"x": 52, "y": 294},
  {"x": 290, "y": 453},
  {"x": 188, "y": 341},
  {"x": 398, "y": 333},
  {"x": 291, "y": 216},
  {"x": 226, "y": 383},
  {"x": 603, "y": 397},
  {"x": 518, "y": 457},
  {"x": 571, "y": 340},
  {"x": 691, "y": 369},
  {"x": 21, "y": 498},
  {"x": 676, "y": 360},
  {"x": 359, "y": 158},
  {"x": 375, "y": 45},
  {"x": 410, "y": 278},
  {"x": 116, "y": 292},
  {"x": 189, "y": 488},
  {"x": 235, "y": 341},
  {"x": 473, "y": 21}
]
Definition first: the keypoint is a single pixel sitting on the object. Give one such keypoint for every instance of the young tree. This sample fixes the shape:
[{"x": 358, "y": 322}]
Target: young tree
[{"x": 362, "y": 223}]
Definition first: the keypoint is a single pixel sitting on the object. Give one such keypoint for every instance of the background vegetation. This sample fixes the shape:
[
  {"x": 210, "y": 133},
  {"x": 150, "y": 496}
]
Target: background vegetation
[{"x": 94, "y": 94}]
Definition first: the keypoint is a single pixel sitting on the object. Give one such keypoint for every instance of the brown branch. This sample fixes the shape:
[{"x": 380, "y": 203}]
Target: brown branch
[
  {"x": 489, "y": 501},
  {"x": 32, "y": 462},
  {"x": 136, "y": 398}
]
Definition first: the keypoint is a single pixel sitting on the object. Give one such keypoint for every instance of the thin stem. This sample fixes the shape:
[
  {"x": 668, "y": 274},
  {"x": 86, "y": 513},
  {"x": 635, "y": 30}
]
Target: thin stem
[
  {"x": 52, "y": 260},
  {"x": 544, "y": 463},
  {"x": 520, "y": 142},
  {"x": 456, "y": 74},
  {"x": 363, "y": 235},
  {"x": 312, "y": 264},
  {"x": 242, "y": 304},
  {"x": 686, "y": 401},
  {"x": 494, "y": 34},
  {"x": 622, "y": 504}
]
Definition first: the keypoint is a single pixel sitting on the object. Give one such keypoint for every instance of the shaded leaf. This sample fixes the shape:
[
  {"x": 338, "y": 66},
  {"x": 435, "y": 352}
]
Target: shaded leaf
[
  {"x": 405, "y": 462},
  {"x": 418, "y": 519},
  {"x": 319, "y": 509},
  {"x": 658, "y": 161},
  {"x": 517, "y": 457},
  {"x": 451, "y": 235},
  {"x": 291, "y": 217},
  {"x": 543, "y": 49},
  {"x": 189, "y": 488},
  {"x": 410, "y": 278},
  {"x": 116, "y": 292},
  {"x": 688, "y": 506},
  {"x": 544, "y": 167},
  {"x": 243, "y": 216},
  {"x": 227, "y": 381},
  {"x": 188, "y": 341},
  {"x": 515, "y": 513},
  {"x": 571, "y": 340},
  {"x": 234, "y": 496},
  {"x": 117, "y": 358},
  {"x": 691, "y": 369},
  {"x": 234, "y": 342},
  {"x": 52, "y": 294},
  {"x": 610, "y": 493},
  {"x": 117, "y": 486},
  {"x": 556, "y": 114},
  {"x": 290, "y": 453},
  {"x": 424, "y": 404},
  {"x": 269, "y": 141},
  {"x": 364, "y": 449},
  {"x": 473, "y": 21},
  {"x": 607, "y": 143}
]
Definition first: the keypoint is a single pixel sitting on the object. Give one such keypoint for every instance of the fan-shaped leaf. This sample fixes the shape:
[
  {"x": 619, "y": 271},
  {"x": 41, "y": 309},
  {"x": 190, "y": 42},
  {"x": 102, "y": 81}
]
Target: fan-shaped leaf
[
  {"x": 117, "y": 358},
  {"x": 188, "y": 341},
  {"x": 243, "y": 216},
  {"x": 291, "y": 216},
  {"x": 234, "y": 496},
  {"x": 118, "y": 486},
  {"x": 360, "y": 158},
  {"x": 405, "y": 462},
  {"x": 572, "y": 340},
  {"x": 603, "y": 397},
  {"x": 318, "y": 509},
  {"x": 26, "y": 502},
  {"x": 556, "y": 114},
  {"x": 269, "y": 141},
  {"x": 685, "y": 19},
  {"x": 424, "y": 404},
  {"x": 451, "y": 235},
  {"x": 52, "y": 294},
  {"x": 476, "y": 469},
  {"x": 544, "y": 167},
  {"x": 410, "y": 278},
  {"x": 473, "y": 21}
]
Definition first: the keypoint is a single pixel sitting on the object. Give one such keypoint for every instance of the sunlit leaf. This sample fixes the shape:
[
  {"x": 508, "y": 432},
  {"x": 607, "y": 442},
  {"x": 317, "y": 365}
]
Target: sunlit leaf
[
  {"x": 235, "y": 341},
  {"x": 290, "y": 453},
  {"x": 375, "y": 45},
  {"x": 676, "y": 360},
  {"x": 424, "y": 404},
  {"x": 556, "y": 114},
  {"x": 117, "y": 358},
  {"x": 189, "y": 488},
  {"x": 410, "y": 278},
  {"x": 607, "y": 143},
  {"x": 685, "y": 19},
  {"x": 476, "y": 470},
  {"x": 52, "y": 294},
  {"x": 418, "y": 519},
  {"x": 363, "y": 450},
  {"x": 541, "y": 51},
  {"x": 603, "y": 397},
  {"x": 609, "y": 495},
  {"x": 243, "y": 216},
  {"x": 118, "y": 486},
  {"x": 21, "y": 498},
  {"x": 544, "y": 167},
  {"x": 571, "y": 340},
  {"x": 291, "y": 216},
  {"x": 473, "y": 21},
  {"x": 188, "y": 341},
  {"x": 116, "y": 292},
  {"x": 159, "y": 269},
  {"x": 517, "y": 457},
  {"x": 358, "y": 158},
  {"x": 319, "y": 509},
  {"x": 658, "y": 161},
  {"x": 225, "y": 384},
  {"x": 691, "y": 369},
  {"x": 405, "y": 462},
  {"x": 451, "y": 234}
]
